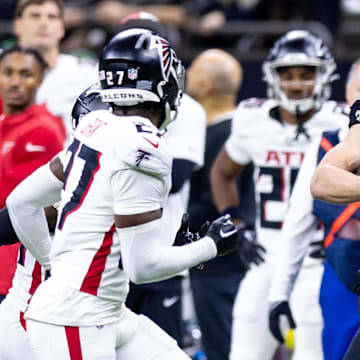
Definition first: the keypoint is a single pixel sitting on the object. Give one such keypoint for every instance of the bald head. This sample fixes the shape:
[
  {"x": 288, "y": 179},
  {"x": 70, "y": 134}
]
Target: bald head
[{"x": 214, "y": 73}]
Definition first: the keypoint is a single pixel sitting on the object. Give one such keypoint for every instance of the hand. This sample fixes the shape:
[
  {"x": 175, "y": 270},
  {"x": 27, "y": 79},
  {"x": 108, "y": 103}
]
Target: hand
[
  {"x": 276, "y": 310},
  {"x": 248, "y": 249},
  {"x": 224, "y": 234},
  {"x": 184, "y": 235}
]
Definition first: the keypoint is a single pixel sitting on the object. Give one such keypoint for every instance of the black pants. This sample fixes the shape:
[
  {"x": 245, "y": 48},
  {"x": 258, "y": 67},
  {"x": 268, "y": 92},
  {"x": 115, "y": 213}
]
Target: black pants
[
  {"x": 162, "y": 303},
  {"x": 2, "y": 297},
  {"x": 214, "y": 299}
]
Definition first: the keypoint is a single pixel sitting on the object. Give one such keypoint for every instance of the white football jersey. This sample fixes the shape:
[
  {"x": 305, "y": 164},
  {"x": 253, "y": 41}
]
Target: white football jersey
[
  {"x": 64, "y": 83},
  {"x": 115, "y": 165},
  {"x": 272, "y": 146}
]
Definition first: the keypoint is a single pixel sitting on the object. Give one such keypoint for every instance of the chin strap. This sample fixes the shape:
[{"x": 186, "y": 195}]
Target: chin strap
[{"x": 300, "y": 125}]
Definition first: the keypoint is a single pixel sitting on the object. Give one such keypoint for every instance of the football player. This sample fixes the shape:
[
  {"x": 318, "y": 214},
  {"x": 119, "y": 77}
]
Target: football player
[
  {"x": 116, "y": 179},
  {"x": 162, "y": 301},
  {"x": 274, "y": 135},
  {"x": 28, "y": 274}
]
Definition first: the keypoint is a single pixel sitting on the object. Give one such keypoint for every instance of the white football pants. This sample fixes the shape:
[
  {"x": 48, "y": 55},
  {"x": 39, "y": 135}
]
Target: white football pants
[{"x": 251, "y": 337}]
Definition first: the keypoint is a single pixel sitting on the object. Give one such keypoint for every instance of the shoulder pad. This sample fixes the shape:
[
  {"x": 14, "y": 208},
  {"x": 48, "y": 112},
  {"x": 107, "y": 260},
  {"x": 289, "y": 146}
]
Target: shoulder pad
[{"x": 146, "y": 150}]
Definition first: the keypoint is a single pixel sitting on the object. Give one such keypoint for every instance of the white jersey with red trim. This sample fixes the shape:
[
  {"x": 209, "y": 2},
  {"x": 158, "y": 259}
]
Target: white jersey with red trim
[
  {"x": 115, "y": 165},
  {"x": 258, "y": 136}
]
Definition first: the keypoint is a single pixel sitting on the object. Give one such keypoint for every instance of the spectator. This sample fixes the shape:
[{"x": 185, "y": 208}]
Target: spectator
[
  {"x": 40, "y": 24},
  {"x": 30, "y": 135},
  {"x": 214, "y": 79}
]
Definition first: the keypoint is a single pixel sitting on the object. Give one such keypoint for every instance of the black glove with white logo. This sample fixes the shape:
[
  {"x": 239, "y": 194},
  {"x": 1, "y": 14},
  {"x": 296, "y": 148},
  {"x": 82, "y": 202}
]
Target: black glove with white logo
[
  {"x": 278, "y": 309},
  {"x": 248, "y": 249},
  {"x": 184, "y": 235},
  {"x": 224, "y": 233},
  {"x": 355, "y": 113}
]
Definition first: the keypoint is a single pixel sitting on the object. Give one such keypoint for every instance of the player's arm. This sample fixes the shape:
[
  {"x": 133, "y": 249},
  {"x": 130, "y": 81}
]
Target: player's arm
[
  {"x": 298, "y": 230},
  {"x": 223, "y": 185},
  {"x": 335, "y": 180},
  {"x": 26, "y": 209},
  {"x": 146, "y": 260}
]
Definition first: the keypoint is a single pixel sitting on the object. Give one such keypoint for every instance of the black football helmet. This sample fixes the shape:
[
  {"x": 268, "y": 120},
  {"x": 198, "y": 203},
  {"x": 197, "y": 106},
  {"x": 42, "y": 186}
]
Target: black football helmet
[
  {"x": 89, "y": 100},
  {"x": 300, "y": 48},
  {"x": 138, "y": 66}
]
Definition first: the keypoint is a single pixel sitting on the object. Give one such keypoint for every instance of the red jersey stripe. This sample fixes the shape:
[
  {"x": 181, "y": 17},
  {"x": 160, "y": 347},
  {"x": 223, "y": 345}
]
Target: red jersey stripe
[{"x": 92, "y": 279}]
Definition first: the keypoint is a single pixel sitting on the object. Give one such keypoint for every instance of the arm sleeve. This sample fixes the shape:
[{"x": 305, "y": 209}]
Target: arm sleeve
[
  {"x": 299, "y": 228},
  {"x": 146, "y": 260},
  {"x": 26, "y": 209}
]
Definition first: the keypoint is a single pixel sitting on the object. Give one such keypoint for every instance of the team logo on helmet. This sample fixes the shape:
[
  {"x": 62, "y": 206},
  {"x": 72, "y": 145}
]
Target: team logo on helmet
[{"x": 166, "y": 55}]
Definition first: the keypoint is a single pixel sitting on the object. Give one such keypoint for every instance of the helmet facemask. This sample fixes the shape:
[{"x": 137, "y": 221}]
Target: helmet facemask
[{"x": 300, "y": 48}]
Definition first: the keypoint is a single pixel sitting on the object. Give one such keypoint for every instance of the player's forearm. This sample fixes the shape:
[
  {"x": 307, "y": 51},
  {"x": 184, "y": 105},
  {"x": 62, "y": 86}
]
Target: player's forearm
[
  {"x": 335, "y": 185},
  {"x": 26, "y": 209},
  {"x": 145, "y": 260},
  {"x": 224, "y": 190}
]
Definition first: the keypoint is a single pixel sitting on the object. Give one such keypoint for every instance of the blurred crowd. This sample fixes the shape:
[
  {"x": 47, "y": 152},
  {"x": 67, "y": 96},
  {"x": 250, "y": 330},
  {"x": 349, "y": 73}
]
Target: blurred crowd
[{"x": 195, "y": 24}]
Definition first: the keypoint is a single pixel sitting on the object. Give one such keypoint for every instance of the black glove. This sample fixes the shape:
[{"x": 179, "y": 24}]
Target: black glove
[
  {"x": 184, "y": 235},
  {"x": 248, "y": 249},
  {"x": 355, "y": 113},
  {"x": 224, "y": 234},
  {"x": 277, "y": 309}
]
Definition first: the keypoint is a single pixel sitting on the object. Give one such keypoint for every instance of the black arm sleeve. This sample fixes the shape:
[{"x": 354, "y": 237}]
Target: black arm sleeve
[
  {"x": 181, "y": 171},
  {"x": 7, "y": 233}
]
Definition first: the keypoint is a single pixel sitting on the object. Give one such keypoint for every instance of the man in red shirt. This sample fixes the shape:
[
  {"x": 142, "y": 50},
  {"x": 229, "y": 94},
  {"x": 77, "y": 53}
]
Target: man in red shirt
[{"x": 29, "y": 134}]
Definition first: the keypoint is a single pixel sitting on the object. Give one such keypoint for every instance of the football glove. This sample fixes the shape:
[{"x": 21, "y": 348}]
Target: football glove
[
  {"x": 248, "y": 249},
  {"x": 224, "y": 233},
  {"x": 276, "y": 310},
  {"x": 184, "y": 235},
  {"x": 355, "y": 113}
]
